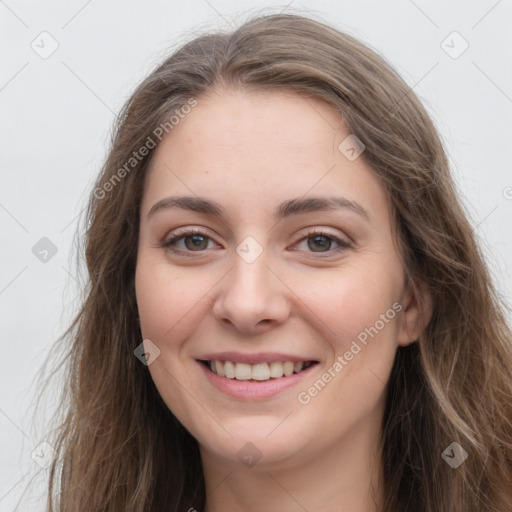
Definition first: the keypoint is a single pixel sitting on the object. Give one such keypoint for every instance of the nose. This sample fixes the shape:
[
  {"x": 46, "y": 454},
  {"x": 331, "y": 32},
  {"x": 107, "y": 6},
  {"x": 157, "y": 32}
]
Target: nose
[{"x": 251, "y": 298}]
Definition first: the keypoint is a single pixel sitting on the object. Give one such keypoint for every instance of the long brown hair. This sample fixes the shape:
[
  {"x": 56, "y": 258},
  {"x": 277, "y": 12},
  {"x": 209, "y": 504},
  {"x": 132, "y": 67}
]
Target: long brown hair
[{"x": 120, "y": 448}]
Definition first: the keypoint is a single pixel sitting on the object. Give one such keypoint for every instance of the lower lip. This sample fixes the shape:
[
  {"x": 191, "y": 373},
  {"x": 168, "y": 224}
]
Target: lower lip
[{"x": 249, "y": 389}]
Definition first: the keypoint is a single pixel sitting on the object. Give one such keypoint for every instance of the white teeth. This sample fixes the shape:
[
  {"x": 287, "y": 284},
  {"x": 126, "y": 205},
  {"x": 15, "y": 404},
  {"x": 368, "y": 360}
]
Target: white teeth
[
  {"x": 243, "y": 371},
  {"x": 229, "y": 369},
  {"x": 219, "y": 368},
  {"x": 288, "y": 368},
  {"x": 260, "y": 371},
  {"x": 276, "y": 369}
]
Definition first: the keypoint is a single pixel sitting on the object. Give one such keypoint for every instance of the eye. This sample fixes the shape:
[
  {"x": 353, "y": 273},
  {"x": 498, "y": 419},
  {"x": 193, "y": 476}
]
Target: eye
[
  {"x": 318, "y": 241},
  {"x": 188, "y": 241}
]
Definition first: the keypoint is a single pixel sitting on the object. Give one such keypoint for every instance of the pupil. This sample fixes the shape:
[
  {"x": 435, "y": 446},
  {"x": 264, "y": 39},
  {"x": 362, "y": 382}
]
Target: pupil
[
  {"x": 319, "y": 242},
  {"x": 197, "y": 240}
]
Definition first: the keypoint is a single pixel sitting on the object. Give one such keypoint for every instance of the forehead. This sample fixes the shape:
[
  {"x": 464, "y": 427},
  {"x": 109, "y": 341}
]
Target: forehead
[
  {"x": 249, "y": 121},
  {"x": 260, "y": 147}
]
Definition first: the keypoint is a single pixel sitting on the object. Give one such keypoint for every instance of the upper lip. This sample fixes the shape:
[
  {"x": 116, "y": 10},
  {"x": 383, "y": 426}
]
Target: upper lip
[{"x": 254, "y": 358}]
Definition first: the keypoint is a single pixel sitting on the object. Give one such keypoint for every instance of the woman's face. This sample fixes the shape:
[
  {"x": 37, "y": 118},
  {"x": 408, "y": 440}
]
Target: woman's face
[{"x": 265, "y": 248}]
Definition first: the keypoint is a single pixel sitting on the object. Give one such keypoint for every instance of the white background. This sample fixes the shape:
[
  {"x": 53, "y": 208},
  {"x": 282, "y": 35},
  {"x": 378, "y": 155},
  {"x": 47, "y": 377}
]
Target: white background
[{"x": 57, "y": 115}]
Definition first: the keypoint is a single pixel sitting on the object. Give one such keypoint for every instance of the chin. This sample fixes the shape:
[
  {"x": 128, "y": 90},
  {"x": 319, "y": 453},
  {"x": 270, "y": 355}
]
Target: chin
[{"x": 269, "y": 440}]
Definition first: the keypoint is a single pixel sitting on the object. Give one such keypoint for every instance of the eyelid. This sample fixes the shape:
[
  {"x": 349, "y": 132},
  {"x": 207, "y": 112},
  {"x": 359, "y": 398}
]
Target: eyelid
[
  {"x": 181, "y": 233},
  {"x": 343, "y": 244},
  {"x": 321, "y": 231}
]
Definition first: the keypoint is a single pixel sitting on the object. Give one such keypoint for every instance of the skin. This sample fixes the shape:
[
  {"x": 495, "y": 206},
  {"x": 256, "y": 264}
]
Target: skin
[{"x": 249, "y": 152}]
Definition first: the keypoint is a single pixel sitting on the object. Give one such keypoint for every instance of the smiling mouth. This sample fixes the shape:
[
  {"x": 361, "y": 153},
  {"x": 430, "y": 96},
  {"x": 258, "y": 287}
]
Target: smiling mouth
[{"x": 257, "y": 372}]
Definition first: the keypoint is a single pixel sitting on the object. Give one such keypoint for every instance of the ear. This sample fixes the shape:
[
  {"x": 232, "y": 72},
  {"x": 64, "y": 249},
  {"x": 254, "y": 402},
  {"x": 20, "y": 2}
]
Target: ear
[{"x": 417, "y": 312}]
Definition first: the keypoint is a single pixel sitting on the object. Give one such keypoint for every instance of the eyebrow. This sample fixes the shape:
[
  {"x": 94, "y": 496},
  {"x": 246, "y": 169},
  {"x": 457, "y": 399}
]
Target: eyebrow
[{"x": 285, "y": 209}]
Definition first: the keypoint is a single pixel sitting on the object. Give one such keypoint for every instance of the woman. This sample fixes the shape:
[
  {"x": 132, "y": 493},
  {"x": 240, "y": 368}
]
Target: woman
[{"x": 287, "y": 307}]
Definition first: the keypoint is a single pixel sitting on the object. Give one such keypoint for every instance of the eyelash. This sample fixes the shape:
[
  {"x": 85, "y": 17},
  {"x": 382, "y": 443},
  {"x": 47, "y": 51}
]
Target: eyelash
[{"x": 343, "y": 244}]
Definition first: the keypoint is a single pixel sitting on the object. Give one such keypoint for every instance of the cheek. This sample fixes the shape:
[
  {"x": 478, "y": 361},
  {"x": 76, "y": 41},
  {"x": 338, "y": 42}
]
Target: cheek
[
  {"x": 360, "y": 313},
  {"x": 169, "y": 305},
  {"x": 353, "y": 301},
  {"x": 167, "y": 301},
  {"x": 360, "y": 316}
]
